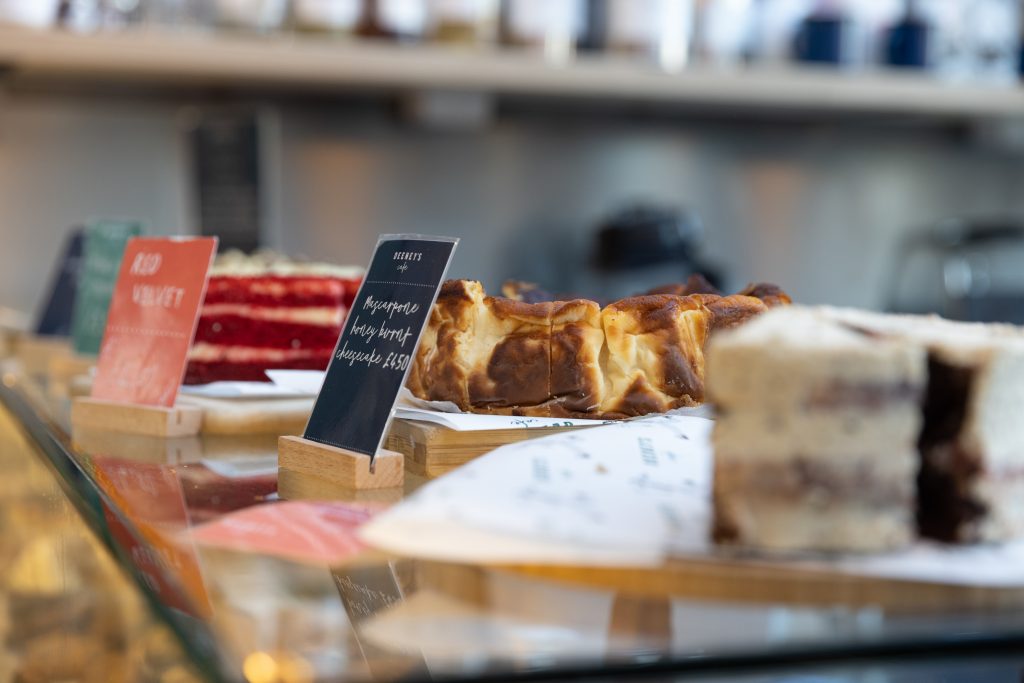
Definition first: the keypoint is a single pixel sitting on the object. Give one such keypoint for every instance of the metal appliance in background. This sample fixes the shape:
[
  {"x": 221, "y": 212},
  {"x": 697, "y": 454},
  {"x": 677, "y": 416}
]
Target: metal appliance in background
[
  {"x": 645, "y": 246},
  {"x": 964, "y": 270}
]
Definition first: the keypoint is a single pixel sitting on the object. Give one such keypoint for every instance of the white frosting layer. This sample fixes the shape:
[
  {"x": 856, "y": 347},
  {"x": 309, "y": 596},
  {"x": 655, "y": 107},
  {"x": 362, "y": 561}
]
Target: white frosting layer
[
  {"x": 239, "y": 264},
  {"x": 204, "y": 352},
  {"x": 772, "y": 523},
  {"x": 877, "y": 440},
  {"x": 327, "y": 316},
  {"x": 794, "y": 359}
]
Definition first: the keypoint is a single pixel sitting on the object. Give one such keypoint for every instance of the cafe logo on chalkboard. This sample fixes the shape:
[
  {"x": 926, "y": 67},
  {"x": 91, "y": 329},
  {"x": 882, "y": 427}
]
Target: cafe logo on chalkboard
[{"x": 405, "y": 257}]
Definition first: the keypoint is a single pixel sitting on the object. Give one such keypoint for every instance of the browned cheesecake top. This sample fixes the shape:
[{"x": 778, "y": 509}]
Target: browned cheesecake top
[{"x": 636, "y": 356}]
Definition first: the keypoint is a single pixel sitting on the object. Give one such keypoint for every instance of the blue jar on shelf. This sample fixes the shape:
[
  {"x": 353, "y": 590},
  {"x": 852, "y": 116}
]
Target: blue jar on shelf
[
  {"x": 822, "y": 38},
  {"x": 907, "y": 43}
]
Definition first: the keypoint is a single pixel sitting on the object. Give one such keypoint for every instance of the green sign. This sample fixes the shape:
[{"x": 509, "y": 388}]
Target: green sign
[{"x": 104, "y": 245}]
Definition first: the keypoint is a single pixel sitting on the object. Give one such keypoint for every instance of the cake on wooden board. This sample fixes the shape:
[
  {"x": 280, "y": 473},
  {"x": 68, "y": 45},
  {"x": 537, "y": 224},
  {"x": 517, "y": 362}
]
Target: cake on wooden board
[
  {"x": 571, "y": 358},
  {"x": 264, "y": 313},
  {"x": 971, "y": 481},
  {"x": 940, "y": 430},
  {"x": 816, "y": 433}
]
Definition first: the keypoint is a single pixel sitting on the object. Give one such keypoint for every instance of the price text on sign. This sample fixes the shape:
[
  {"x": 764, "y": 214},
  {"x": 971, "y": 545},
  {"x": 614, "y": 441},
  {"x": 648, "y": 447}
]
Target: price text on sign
[
  {"x": 379, "y": 341},
  {"x": 153, "y": 316}
]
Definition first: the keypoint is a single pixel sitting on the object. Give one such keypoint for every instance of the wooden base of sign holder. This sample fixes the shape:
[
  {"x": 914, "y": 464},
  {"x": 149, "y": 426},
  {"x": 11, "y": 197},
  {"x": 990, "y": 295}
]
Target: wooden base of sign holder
[
  {"x": 135, "y": 419},
  {"x": 292, "y": 485},
  {"x": 345, "y": 468}
]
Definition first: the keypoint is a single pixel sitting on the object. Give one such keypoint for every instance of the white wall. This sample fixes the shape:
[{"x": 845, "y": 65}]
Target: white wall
[
  {"x": 65, "y": 160},
  {"x": 816, "y": 208}
]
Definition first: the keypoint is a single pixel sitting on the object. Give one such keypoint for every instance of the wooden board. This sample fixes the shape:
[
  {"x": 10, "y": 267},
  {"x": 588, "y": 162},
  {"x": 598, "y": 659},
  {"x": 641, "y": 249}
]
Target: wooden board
[
  {"x": 736, "y": 580},
  {"x": 345, "y": 468},
  {"x": 431, "y": 450},
  {"x": 63, "y": 367},
  {"x": 273, "y": 416},
  {"x": 750, "y": 584},
  {"x": 64, "y": 370},
  {"x": 35, "y": 353},
  {"x": 135, "y": 419},
  {"x": 80, "y": 385}
]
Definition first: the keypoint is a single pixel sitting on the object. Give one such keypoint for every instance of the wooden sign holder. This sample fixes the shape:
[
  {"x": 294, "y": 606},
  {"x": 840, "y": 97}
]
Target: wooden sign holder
[
  {"x": 129, "y": 418},
  {"x": 346, "y": 468},
  {"x": 292, "y": 485}
]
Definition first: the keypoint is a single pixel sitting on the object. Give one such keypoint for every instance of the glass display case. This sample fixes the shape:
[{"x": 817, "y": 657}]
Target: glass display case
[{"x": 189, "y": 604}]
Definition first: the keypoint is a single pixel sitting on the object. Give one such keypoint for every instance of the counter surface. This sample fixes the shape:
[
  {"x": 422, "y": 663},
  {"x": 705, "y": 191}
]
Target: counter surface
[{"x": 176, "y": 514}]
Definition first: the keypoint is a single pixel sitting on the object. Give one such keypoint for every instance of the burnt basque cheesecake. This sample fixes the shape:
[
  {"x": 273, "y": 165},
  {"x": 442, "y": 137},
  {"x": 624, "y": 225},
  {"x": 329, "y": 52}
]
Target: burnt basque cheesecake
[
  {"x": 264, "y": 312},
  {"x": 572, "y": 358},
  {"x": 845, "y": 430}
]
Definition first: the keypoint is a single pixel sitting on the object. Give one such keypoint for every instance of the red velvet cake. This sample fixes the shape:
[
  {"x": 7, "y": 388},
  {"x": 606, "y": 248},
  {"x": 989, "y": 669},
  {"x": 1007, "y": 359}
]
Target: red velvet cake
[{"x": 262, "y": 313}]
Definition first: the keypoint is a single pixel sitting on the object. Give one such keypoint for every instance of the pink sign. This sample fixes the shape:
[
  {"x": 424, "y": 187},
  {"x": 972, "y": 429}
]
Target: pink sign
[
  {"x": 319, "y": 533},
  {"x": 152, "y": 319}
]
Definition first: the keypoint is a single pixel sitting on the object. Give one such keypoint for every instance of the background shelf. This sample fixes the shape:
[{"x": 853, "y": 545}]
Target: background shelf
[{"x": 319, "y": 65}]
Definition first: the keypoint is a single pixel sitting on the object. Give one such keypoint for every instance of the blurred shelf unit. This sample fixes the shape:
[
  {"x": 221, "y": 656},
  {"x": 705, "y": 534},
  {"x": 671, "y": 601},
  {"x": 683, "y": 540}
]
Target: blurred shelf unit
[{"x": 291, "y": 63}]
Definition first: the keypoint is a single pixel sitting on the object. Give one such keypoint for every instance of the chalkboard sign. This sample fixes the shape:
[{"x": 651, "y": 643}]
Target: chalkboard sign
[
  {"x": 104, "y": 245},
  {"x": 55, "y": 315},
  {"x": 378, "y": 342}
]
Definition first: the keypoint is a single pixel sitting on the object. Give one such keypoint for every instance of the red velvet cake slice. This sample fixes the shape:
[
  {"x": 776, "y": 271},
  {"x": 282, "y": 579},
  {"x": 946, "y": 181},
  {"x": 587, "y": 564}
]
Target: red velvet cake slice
[{"x": 263, "y": 313}]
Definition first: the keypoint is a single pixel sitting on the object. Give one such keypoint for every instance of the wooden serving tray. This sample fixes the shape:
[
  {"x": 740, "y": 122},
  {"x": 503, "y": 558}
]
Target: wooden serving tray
[
  {"x": 35, "y": 352},
  {"x": 432, "y": 450},
  {"x": 736, "y": 580},
  {"x": 275, "y": 416},
  {"x": 747, "y": 583}
]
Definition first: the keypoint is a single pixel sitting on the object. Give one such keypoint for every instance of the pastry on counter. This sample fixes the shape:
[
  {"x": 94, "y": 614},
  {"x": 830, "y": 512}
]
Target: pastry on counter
[
  {"x": 265, "y": 312},
  {"x": 637, "y": 356},
  {"x": 849, "y": 430},
  {"x": 971, "y": 481},
  {"x": 816, "y": 435}
]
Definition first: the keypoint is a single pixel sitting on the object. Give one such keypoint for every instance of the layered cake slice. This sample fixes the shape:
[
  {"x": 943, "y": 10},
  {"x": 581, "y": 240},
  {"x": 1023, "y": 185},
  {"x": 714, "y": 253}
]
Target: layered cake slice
[
  {"x": 971, "y": 480},
  {"x": 263, "y": 313},
  {"x": 816, "y": 439}
]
